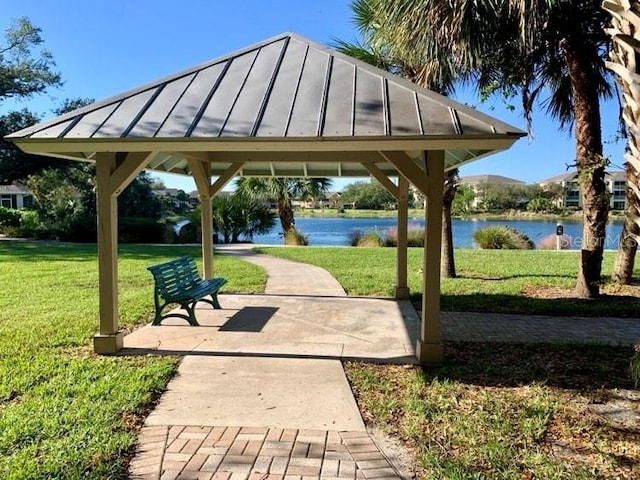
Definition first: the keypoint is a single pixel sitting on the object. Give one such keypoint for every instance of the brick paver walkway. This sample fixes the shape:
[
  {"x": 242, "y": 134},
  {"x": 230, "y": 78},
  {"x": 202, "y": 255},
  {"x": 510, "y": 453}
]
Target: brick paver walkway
[
  {"x": 233, "y": 453},
  {"x": 510, "y": 328}
]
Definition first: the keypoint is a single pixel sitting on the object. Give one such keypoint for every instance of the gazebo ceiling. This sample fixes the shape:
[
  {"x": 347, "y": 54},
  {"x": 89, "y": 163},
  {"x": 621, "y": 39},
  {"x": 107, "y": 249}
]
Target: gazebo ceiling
[{"x": 284, "y": 107}]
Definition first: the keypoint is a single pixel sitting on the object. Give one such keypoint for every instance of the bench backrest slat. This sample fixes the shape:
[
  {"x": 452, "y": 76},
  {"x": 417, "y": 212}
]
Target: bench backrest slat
[{"x": 175, "y": 276}]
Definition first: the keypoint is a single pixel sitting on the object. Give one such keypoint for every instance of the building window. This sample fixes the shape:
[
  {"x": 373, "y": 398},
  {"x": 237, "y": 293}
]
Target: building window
[
  {"x": 7, "y": 201},
  {"x": 619, "y": 205}
]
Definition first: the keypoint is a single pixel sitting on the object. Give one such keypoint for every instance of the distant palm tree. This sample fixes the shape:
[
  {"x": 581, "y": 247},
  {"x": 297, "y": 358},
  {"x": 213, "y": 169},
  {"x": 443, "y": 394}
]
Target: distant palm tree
[
  {"x": 527, "y": 48},
  {"x": 625, "y": 56},
  {"x": 283, "y": 191}
]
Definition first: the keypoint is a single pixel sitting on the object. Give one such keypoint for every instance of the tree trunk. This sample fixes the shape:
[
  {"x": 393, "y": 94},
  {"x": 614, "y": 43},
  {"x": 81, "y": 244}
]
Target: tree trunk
[
  {"x": 285, "y": 212},
  {"x": 624, "y": 55},
  {"x": 590, "y": 164},
  {"x": 447, "y": 262}
]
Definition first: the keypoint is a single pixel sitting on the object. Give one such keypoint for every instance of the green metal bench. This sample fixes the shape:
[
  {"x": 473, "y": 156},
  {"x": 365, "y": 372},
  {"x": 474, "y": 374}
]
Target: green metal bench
[{"x": 178, "y": 281}]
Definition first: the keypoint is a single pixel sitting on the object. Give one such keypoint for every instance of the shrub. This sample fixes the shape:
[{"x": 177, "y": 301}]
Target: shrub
[
  {"x": 9, "y": 218},
  {"x": 415, "y": 237},
  {"x": 502, "y": 238},
  {"x": 549, "y": 242},
  {"x": 354, "y": 237},
  {"x": 294, "y": 237},
  {"x": 370, "y": 239},
  {"x": 190, "y": 233}
]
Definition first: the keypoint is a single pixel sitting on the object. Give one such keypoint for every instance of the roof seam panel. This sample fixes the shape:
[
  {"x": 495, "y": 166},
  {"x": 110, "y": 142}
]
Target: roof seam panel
[
  {"x": 267, "y": 95},
  {"x": 325, "y": 93},
  {"x": 235, "y": 100},
  {"x": 205, "y": 104},
  {"x": 173, "y": 107},
  {"x": 142, "y": 111},
  {"x": 295, "y": 92}
]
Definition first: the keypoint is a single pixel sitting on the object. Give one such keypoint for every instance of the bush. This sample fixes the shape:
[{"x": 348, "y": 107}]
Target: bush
[
  {"x": 415, "y": 237},
  {"x": 370, "y": 239},
  {"x": 354, "y": 237},
  {"x": 189, "y": 233},
  {"x": 549, "y": 242},
  {"x": 502, "y": 238},
  {"x": 294, "y": 237},
  {"x": 9, "y": 218}
]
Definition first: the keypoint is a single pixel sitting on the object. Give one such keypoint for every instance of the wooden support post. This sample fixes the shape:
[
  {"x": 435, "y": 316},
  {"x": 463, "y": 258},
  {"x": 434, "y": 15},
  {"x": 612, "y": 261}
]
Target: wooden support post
[
  {"x": 201, "y": 172},
  {"x": 109, "y": 340},
  {"x": 401, "y": 290},
  {"x": 429, "y": 347}
]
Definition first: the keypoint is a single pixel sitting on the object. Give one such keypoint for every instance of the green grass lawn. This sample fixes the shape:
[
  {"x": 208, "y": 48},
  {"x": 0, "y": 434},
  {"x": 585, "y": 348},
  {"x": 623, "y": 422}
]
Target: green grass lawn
[
  {"x": 64, "y": 412},
  {"x": 507, "y": 281}
]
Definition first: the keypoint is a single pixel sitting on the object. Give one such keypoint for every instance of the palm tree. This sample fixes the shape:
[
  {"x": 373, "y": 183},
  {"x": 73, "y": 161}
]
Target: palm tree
[
  {"x": 624, "y": 62},
  {"x": 283, "y": 191},
  {"x": 526, "y": 48},
  {"x": 437, "y": 74}
]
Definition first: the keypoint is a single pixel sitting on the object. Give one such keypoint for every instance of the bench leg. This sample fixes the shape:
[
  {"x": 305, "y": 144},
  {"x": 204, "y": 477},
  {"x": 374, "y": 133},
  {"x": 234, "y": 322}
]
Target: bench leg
[{"x": 190, "y": 308}]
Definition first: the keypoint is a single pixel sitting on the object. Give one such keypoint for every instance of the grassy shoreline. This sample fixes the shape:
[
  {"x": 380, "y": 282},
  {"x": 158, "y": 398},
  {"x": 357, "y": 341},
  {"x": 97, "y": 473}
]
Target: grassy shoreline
[{"x": 417, "y": 212}]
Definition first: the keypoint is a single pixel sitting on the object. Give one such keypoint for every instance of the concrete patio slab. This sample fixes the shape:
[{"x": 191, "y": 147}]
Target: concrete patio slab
[
  {"x": 259, "y": 392},
  {"x": 290, "y": 326}
]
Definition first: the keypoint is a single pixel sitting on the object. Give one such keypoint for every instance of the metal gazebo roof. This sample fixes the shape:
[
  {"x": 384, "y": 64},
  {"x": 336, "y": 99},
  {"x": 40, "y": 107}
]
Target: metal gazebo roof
[{"x": 284, "y": 107}]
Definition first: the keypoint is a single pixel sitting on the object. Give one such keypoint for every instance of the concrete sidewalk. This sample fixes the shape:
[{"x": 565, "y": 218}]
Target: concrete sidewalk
[{"x": 261, "y": 393}]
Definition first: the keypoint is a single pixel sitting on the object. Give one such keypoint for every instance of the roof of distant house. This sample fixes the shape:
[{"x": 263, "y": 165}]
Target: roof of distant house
[
  {"x": 573, "y": 175},
  {"x": 14, "y": 190},
  {"x": 475, "y": 179}
]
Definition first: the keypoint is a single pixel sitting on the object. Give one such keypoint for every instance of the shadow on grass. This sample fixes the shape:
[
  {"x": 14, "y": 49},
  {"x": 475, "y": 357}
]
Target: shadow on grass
[
  {"x": 581, "y": 366},
  {"x": 626, "y": 306}
]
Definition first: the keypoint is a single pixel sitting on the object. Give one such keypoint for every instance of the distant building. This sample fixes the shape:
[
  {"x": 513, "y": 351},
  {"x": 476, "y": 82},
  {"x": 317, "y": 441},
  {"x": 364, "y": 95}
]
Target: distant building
[
  {"x": 15, "y": 196},
  {"x": 615, "y": 182},
  {"x": 474, "y": 181}
]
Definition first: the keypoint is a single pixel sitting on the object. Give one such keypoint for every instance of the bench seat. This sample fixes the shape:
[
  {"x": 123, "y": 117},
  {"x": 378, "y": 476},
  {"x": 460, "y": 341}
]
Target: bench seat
[{"x": 178, "y": 281}]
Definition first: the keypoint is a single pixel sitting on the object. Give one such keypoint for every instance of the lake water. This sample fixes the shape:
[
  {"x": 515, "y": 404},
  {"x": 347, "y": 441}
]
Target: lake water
[{"x": 335, "y": 231}]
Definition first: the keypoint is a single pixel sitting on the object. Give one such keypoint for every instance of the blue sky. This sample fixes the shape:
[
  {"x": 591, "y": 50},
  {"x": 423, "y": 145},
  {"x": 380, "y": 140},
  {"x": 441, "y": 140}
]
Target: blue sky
[{"x": 103, "y": 47}]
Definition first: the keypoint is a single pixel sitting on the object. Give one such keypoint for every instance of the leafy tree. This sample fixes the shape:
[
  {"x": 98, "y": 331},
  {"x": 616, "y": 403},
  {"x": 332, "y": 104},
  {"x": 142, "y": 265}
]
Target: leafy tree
[
  {"x": 238, "y": 215},
  {"x": 463, "y": 201},
  {"x": 500, "y": 196},
  {"x": 541, "y": 205},
  {"x": 283, "y": 191},
  {"x": 527, "y": 49},
  {"x": 26, "y": 69},
  {"x": 624, "y": 62},
  {"x": 138, "y": 200},
  {"x": 366, "y": 195}
]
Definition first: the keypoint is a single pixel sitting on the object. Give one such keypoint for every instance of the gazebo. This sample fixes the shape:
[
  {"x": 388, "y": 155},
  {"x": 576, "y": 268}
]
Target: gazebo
[{"x": 284, "y": 107}]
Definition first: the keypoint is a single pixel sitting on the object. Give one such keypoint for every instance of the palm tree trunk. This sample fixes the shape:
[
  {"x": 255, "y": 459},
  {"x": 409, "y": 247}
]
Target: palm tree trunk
[
  {"x": 625, "y": 17},
  {"x": 590, "y": 164},
  {"x": 625, "y": 259},
  {"x": 447, "y": 262},
  {"x": 285, "y": 212}
]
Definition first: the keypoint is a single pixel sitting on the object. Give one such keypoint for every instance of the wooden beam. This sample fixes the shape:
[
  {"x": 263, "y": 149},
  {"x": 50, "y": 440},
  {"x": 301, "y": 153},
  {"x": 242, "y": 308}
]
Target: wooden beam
[
  {"x": 401, "y": 290},
  {"x": 382, "y": 178},
  {"x": 408, "y": 168},
  {"x": 109, "y": 340},
  {"x": 127, "y": 169},
  {"x": 201, "y": 174},
  {"x": 429, "y": 347},
  {"x": 225, "y": 177}
]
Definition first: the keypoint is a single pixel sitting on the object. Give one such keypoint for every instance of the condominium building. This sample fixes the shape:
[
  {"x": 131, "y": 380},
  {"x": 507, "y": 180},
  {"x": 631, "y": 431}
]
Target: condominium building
[{"x": 572, "y": 198}]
